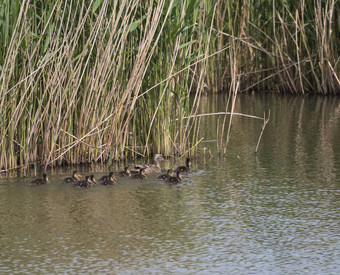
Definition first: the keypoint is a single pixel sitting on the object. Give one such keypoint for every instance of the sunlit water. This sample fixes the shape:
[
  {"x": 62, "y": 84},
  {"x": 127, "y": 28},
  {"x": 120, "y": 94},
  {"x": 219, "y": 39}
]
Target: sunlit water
[{"x": 276, "y": 213}]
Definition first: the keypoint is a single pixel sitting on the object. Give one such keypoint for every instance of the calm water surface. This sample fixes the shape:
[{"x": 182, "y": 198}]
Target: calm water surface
[{"x": 277, "y": 213}]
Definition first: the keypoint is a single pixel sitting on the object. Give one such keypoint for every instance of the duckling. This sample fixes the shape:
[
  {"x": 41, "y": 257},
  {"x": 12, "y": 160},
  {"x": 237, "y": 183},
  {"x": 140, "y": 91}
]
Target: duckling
[
  {"x": 83, "y": 183},
  {"x": 140, "y": 176},
  {"x": 125, "y": 173},
  {"x": 165, "y": 176},
  {"x": 44, "y": 180},
  {"x": 110, "y": 181},
  {"x": 92, "y": 180},
  {"x": 152, "y": 168},
  {"x": 106, "y": 177},
  {"x": 175, "y": 180},
  {"x": 185, "y": 168},
  {"x": 75, "y": 176}
]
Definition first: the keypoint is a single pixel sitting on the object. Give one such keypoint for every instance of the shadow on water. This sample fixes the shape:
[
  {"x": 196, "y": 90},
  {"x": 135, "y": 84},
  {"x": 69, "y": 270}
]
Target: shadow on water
[{"x": 237, "y": 213}]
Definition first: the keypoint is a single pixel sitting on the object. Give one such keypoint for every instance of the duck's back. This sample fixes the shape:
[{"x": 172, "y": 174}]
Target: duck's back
[
  {"x": 108, "y": 182},
  {"x": 37, "y": 182},
  {"x": 69, "y": 180},
  {"x": 149, "y": 168}
]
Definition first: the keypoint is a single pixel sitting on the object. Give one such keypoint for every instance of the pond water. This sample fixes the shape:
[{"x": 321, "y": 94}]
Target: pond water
[{"x": 274, "y": 213}]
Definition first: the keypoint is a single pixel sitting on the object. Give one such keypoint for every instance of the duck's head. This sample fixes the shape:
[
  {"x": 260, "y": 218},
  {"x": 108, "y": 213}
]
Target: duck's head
[
  {"x": 158, "y": 157},
  {"x": 187, "y": 162},
  {"x": 45, "y": 177},
  {"x": 76, "y": 175},
  {"x": 127, "y": 170},
  {"x": 87, "y": 178},
  {"x": 110, "y": 174}
]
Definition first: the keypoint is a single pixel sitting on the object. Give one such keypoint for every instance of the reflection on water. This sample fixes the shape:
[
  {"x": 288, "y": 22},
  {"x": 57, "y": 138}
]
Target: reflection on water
[{"x": 240, "y": 214}]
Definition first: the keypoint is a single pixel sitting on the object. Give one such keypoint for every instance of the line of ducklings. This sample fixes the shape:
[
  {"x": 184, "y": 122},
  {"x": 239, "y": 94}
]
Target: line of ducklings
[{"x": 172, "y": 176}]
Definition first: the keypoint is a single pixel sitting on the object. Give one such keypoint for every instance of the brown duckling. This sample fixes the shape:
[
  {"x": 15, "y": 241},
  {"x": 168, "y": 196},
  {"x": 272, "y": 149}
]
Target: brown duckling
[
  {"x": 107, "y": 177},
  {"x": 92, "y": 180},
  {"x": 165, "y": 176},
  {"x": 75, "y": 176},
  {"x": 141, "y": 175},
  {"x": 44, "y": 180},
  {"x": 152, "y": 168},
  {"x": 110, "y": 181},
  {"x": 83, "y": 183},
  {"x": 125, "y": 173},
  {"x": 175, "y": 180},
  {"x": 185, "y": 168}
]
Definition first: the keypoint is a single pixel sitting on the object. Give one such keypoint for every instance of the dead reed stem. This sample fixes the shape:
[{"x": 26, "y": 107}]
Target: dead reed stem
[{"x": 265, "y": 121}]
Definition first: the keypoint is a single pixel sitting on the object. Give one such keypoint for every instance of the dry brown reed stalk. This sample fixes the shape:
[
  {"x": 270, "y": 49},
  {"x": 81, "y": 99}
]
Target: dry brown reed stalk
[
  {"x": 225, "y": 113},
  {"x": 234, "y": 87},
  {"x": 265, "y": 121},
  {"x": 233, "y": 103}
]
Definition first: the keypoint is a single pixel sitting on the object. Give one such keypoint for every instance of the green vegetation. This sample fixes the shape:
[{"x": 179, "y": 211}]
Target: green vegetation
[{"x": 84, "y": 81}]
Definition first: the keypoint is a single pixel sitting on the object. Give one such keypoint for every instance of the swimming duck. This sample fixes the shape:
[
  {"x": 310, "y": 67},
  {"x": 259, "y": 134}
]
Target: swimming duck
[
  {"x": 110, "y": 181},
  {"x": 140, "y": 176},
  {"x": 92, "y": 180},
  {"x": 75, "y": 176},
  {"x": 44, "y": 180},
  {"x": 107, "y": 177},
  {"x": 175, "y": 180},
  {"x": 185, "y": 168},
  {"x": 125, "y": 173},
  {"x": 83, "y": 183},
  {"x": 152, "y": 168},
  {"x": 165, "y": 176}
]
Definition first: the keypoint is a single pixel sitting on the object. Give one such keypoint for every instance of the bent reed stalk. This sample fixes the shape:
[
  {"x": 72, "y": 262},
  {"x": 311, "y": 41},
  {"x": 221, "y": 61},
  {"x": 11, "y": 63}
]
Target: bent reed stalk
[{"x": 82, "y": 81}]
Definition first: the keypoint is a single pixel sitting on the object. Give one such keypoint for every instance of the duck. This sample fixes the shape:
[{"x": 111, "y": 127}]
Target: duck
[
  {"x": 103, "y": 178},
  {"x": 175, "y": 180},
  {"x": 141, "y": 175},
  {"x": 109, "y": 181},
  {"x": 83, "y": 183},
  {"x": 185, "y": 168},
  {"x": 92, "y": 180},
  {"x": 152, "y": 168},
  {"x": 44, "y": 180},
  {"x": 125, "y": 173},
  {"x": 75, "y": 176},
  {"x": 165, "y": 176}
]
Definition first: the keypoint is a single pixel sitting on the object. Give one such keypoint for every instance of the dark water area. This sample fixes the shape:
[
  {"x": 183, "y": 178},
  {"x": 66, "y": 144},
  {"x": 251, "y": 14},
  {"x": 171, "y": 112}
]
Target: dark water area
[{"x": 273, "y": 213}]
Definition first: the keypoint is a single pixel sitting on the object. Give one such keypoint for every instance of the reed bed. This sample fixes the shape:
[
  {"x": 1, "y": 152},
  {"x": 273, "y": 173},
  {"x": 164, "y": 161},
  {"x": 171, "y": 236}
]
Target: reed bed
[{"x": 85, "y": 81}]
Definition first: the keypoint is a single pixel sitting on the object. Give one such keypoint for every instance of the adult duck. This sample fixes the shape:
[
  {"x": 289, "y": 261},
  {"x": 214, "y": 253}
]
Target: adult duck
[
  {"x": 165, "y": 176},
  {"x": 175, "y": 180},
  {"x": 75, "y": 177},
  {"x": 141, "y": 175},
  {"x": 152, "y": 168},
  {"x": 125, "y": 173},
  {"x": 185, "y": 168},
  {"x": 44, "y": 180}
]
